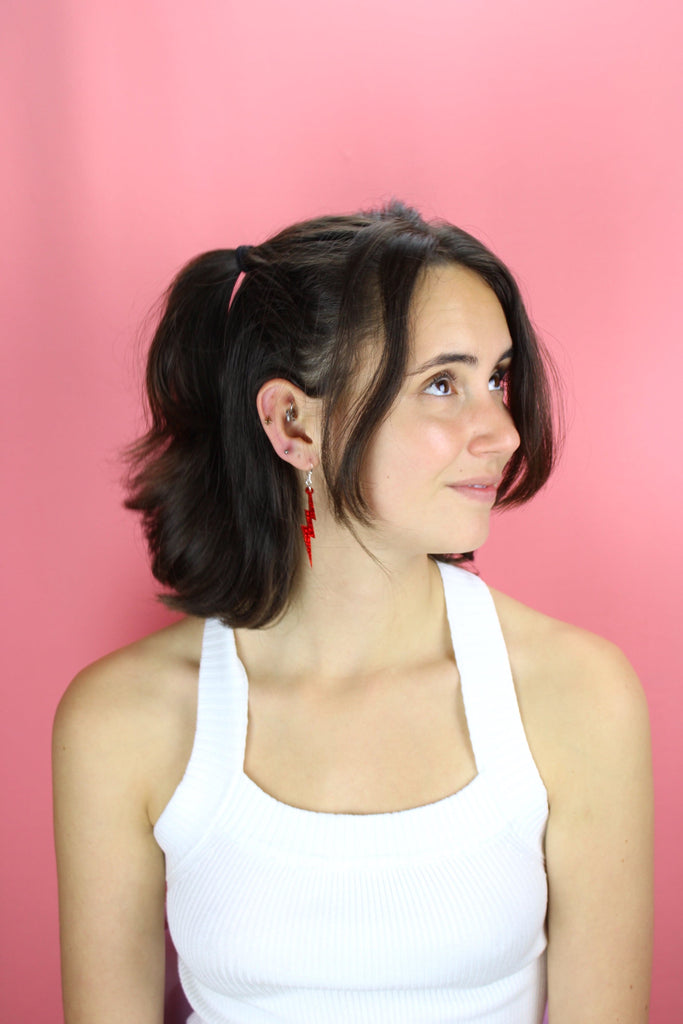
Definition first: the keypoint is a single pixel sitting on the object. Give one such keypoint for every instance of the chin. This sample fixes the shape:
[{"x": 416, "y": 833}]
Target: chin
[{"x": 466, "y": 545}]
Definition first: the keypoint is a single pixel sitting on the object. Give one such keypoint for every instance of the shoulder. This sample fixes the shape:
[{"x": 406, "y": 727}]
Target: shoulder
[
  {"x": 131, "y": 715},
  {"x": 580, "y": 699}
]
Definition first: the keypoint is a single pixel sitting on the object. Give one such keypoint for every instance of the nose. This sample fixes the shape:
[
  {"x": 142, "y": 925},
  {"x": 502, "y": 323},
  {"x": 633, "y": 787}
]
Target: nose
[{"x": 493, "y": 429}]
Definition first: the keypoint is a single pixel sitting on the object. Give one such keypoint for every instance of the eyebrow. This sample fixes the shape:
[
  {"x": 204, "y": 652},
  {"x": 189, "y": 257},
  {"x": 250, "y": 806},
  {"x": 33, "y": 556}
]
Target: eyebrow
[{"x": 455, "y": 357}]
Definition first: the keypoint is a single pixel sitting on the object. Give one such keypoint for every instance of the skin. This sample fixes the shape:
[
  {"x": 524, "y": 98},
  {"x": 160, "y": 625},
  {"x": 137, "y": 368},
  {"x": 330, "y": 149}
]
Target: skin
[{"x": 351, "y": 700}]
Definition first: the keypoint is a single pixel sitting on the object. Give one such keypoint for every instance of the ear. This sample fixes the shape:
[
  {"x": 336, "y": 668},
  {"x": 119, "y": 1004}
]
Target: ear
[{"x": 291, "y": 421}]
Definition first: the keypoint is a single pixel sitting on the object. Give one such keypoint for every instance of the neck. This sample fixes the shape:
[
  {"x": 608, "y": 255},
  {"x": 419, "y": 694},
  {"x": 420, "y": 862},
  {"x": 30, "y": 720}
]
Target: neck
[{"x": 353, "y": 615}]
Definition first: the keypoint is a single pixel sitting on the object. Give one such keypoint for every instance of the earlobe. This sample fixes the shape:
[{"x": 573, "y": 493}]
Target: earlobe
[{"x": 289, "y": 420}]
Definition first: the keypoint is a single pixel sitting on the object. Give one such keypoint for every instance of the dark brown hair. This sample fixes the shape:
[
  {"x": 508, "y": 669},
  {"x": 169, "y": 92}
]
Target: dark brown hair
[{"x": 221, "y": 510}]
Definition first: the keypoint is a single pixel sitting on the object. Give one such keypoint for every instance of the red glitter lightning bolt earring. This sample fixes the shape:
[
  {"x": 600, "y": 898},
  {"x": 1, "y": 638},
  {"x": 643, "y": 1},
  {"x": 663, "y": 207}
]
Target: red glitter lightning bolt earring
[{"x": 307, "y": 528}]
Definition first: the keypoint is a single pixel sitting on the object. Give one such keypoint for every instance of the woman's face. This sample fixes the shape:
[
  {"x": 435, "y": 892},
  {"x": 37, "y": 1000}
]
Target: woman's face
[{"x": 435, "y": 463}]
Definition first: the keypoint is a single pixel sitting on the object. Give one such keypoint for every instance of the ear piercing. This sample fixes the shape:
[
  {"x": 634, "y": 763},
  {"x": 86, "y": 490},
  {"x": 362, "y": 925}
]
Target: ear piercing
[{"x": 290, "y": 416}]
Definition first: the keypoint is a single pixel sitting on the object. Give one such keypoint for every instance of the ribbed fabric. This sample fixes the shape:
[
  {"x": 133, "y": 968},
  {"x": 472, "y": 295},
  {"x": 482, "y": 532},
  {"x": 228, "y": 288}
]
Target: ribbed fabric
[{"x": 434, "y": 914}]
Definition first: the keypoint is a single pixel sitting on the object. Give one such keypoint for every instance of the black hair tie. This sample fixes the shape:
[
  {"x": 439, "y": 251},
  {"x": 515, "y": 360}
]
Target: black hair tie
[{"x": 240, "y": 253}]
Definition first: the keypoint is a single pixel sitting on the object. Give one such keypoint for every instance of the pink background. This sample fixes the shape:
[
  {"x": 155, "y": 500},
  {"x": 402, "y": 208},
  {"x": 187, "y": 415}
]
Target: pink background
[{"x": 141, "y": 133}]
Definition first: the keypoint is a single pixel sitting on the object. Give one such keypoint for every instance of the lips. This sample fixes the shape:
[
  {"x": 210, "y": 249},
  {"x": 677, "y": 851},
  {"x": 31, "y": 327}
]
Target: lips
[
  {"x": 479, "y": 481},
  {"x": 483, "y": 489}
]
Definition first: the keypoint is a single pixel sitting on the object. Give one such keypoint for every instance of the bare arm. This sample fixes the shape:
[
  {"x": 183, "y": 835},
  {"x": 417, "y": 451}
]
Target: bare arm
[
  {"x": 110, "y": 869},
  {"x": 586, "y": 720},
  {"x": 599, "y": 850}
]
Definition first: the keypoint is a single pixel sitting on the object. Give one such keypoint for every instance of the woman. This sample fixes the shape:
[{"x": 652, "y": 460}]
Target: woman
[{"x": 388, "y": 794}]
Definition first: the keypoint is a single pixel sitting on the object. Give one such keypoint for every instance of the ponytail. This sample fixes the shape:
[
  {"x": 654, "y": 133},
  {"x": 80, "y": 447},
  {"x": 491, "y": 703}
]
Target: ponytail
[
  {"x": 185, "y": 357},
  {"x": 190, "y": 479}
]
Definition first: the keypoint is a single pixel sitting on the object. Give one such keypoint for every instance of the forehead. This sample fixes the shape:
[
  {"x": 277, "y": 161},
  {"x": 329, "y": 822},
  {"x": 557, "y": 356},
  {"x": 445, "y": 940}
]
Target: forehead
[{"x": 454, "y": 309}]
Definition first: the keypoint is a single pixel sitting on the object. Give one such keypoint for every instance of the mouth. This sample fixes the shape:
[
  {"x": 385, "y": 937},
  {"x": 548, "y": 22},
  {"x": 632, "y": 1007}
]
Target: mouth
[{"x": 478, "y": 490}]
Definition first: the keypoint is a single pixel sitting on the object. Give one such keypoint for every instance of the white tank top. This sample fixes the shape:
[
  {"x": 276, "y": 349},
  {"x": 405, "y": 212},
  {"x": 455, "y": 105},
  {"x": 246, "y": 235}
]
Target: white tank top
[{"x": 433, "y": 914}]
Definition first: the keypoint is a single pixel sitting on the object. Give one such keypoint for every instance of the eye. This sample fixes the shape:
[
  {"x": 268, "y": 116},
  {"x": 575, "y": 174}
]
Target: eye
[
  {"x": 499, "y": 380},
  {"x": 443, "y": 385}
]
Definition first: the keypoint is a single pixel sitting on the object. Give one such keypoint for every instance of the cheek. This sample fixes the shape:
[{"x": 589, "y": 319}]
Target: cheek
[
  {"x": 389, "y": 467},
  {"x": 405, "y": 460},
  {"x": 437, "y": 447},
  {"x": 443, "y": 440},
  {"x": 394, "y": 452}
]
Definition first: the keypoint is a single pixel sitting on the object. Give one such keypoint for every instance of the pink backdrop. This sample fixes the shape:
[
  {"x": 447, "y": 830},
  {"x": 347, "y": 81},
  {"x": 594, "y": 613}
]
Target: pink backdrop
[{"x": 141, "y": 133}]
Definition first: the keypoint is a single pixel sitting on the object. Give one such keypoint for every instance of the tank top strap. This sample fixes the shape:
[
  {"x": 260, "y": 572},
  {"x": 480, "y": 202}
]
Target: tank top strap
[
  {"x": 218, "y": 750},
  {"x": 497, "y": 735}
]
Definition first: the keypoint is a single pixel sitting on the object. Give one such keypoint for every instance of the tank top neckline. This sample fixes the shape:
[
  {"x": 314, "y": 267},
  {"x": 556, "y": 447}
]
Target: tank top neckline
[
  {"x": 217, "y": 790},
  {"x": 244, "y": 781}
]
